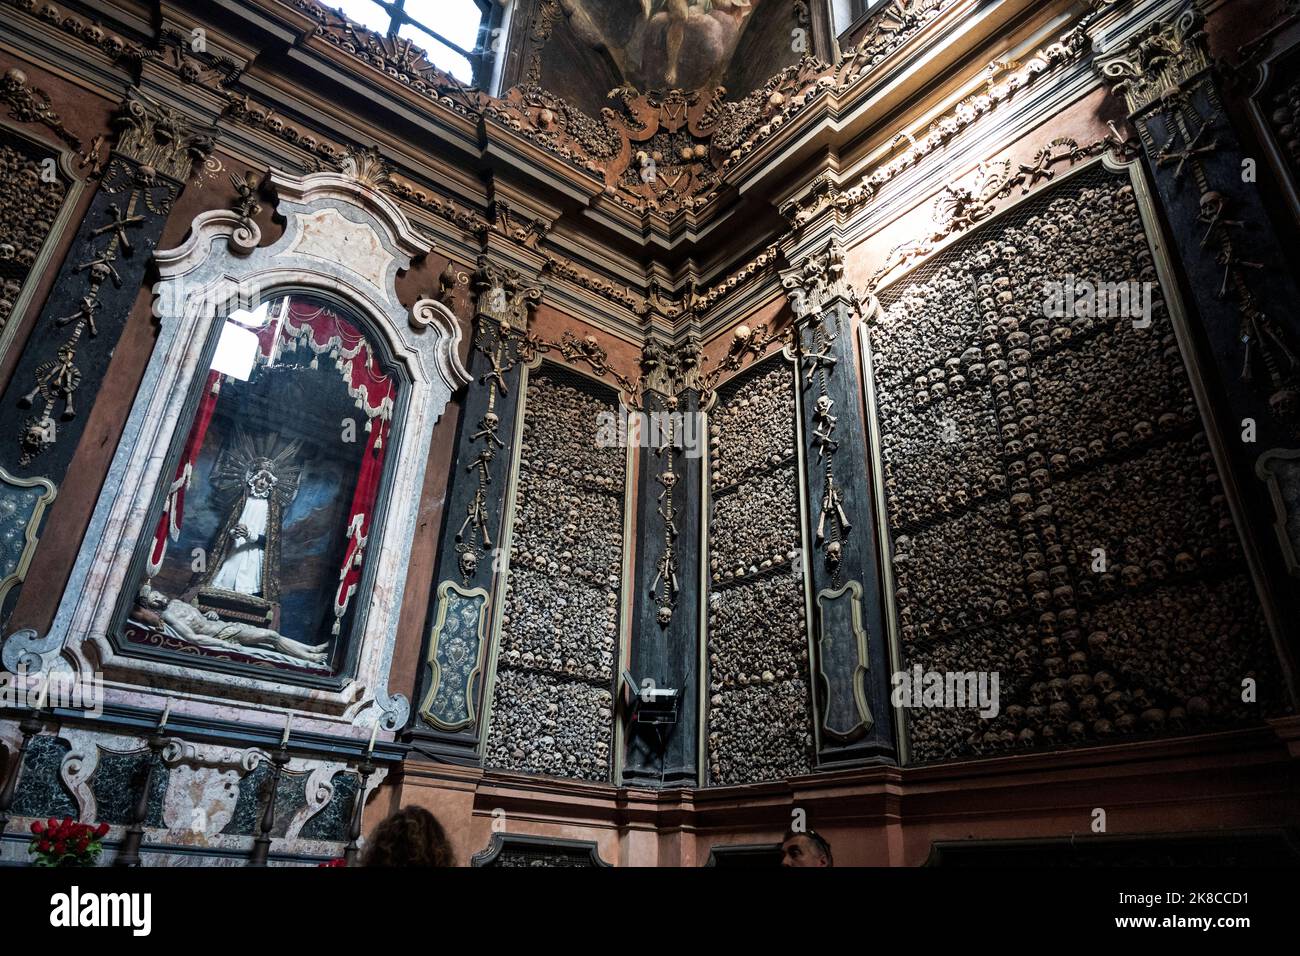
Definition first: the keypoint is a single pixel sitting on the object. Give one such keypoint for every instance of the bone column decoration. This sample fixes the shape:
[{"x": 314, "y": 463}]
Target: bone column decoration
[
  {"x": 67, "y": 355},
  {"x": 851, "y": 668},
  {"x": 666, "y": 614},
  {"x": 1243, "y": 292},
  {"x": 451, "y": 681}
]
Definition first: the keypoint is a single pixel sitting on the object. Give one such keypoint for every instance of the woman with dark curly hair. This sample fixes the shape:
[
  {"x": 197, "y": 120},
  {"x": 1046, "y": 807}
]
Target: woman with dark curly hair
[{"x": 410, "y": 837}]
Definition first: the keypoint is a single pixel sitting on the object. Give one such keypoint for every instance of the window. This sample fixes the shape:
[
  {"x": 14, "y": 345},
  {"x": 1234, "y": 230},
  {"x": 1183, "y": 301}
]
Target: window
[
  {"x": 845, "y": 13},
  {"x": 447, "y": 30},
  {"x": 260, "y": 546}
]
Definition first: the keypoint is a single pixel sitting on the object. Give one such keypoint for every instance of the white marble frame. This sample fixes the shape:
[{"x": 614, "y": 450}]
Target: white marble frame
[{"x": 357, "y": 264}]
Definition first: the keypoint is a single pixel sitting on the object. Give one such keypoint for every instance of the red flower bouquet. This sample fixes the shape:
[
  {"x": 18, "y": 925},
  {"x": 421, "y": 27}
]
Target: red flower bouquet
[
  {"x": 339, "y": 861},
  {"x": 66, "y": 842}
]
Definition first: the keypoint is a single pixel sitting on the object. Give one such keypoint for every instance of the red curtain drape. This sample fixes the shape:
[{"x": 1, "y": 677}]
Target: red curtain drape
[
  {"x": 326, "y": 333},
  {"x": 169, "y": 524},
  {"x": 359, "y": 517}
]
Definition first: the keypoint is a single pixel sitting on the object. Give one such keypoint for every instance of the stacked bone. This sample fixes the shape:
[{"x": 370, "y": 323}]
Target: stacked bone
[
  {"x": 552, "y": 705},
  {"x": 1284, "y": 119},
  {"x": 1072, "y": 522},
  {"x": 758, "y": 716},
  {"x": 28, "y": 207},
  {"x": 746, "y": 425}
]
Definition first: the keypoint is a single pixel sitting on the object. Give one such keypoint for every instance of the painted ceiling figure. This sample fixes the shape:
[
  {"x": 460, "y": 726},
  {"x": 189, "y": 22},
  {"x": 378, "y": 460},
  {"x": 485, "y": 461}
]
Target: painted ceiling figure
[
  {"x": 658, "y": 44},
  {"x": 246, "y": 552}
]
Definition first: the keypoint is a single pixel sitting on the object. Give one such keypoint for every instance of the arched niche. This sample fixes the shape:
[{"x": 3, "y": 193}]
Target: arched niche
[{"x": 343, "y": 245}]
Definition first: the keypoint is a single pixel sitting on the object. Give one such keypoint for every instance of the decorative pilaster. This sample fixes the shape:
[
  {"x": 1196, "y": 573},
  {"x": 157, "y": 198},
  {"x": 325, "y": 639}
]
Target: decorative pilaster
[
  {"x": 851, "y": 664},
  {"x": 459, "y": 626},
  {"x": 666, "y": 607},
  {"x": 68, "y": 352},
  {"x": 1243, "y": 294}
]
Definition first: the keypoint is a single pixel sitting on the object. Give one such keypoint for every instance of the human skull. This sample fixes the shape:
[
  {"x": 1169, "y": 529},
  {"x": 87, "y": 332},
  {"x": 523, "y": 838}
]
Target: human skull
[
  {"x": 1211, "y": 203},
  {"x": 468, "y": 563}
]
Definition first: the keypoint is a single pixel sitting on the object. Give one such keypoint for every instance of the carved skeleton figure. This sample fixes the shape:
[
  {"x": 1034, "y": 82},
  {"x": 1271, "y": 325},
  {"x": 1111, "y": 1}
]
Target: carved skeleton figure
[{"x": 825, "y": 426}]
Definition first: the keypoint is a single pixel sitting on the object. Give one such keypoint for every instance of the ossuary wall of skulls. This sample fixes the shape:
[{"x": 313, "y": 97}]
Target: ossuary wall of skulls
[
  {"x": 1055, "y": 508},
  {"x": 30, "y": 200},
  {"x": 759, "y": 719},
  {"x": 552, "y": 709}
]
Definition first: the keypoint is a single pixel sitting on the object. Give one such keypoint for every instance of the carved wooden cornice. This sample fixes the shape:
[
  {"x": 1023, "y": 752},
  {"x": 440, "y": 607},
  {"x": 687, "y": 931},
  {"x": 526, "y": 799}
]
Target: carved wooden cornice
[
  {"x": 683, "y": 191},
  {"x": 174, "y": 52},
  {"x": 471, "y": 222},
  {"x": 398, "y": 58},
  {"x": 723, "y": 133},
  {"x": 962, "y": 205},
  {"x": 565, "y": 268},
  {"x": 892, "y": 25},
  {"x": 653, "y": 153},
  {"x": 241, "y": 108},
  {"x": 115, "y": 47},
  {"x": 1158, "y": 61},
  {"x": 1003, "y": 79},
  {"x": 738, "y": 279}
]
